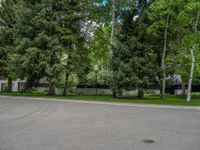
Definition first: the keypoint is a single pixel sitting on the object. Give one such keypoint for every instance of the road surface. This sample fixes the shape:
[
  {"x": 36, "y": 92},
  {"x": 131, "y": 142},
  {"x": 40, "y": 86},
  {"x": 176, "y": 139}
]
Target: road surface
[{"x": 33, "y": 124}]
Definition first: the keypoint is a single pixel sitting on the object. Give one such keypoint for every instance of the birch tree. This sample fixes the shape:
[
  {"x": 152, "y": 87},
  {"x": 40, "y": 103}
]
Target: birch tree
[
  {"x": 162, "y": 14},
  {"x": 109, "y": 13},
  {"x": 113, "y": 8},
  {"x": 193, "y": 59},
  {"x": 189, "y": 19},
  {"x": 163, "y": 58}
]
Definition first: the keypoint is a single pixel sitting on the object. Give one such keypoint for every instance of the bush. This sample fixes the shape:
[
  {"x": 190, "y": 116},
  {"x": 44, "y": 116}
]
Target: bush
[{"x": 104, "y": 77}]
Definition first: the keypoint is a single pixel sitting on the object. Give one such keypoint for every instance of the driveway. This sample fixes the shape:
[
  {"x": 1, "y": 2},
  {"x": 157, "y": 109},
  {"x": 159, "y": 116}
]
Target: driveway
[{"x": 30, "y": 124}]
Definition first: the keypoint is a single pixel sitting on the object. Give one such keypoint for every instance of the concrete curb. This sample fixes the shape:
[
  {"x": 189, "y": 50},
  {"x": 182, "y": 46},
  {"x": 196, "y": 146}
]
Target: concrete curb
[{"x": 106, "y": 103}]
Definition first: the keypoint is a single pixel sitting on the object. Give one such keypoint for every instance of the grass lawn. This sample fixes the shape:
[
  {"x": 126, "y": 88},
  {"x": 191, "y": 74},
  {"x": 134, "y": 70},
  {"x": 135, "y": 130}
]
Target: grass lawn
[{"x": 149, "y": 99}]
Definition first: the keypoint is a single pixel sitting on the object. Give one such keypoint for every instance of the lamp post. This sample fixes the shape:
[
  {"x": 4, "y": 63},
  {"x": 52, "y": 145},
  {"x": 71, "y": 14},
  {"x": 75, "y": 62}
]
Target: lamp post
[{"x": 96, "y": 68}]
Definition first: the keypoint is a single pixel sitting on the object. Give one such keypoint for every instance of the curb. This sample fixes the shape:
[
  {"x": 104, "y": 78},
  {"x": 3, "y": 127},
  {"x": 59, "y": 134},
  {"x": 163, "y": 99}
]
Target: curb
[{"x": 106, "y": 103}]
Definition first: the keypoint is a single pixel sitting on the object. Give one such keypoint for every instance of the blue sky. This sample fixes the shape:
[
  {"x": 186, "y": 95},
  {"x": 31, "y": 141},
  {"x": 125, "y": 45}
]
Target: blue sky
[{"x": 103, "y": 3}]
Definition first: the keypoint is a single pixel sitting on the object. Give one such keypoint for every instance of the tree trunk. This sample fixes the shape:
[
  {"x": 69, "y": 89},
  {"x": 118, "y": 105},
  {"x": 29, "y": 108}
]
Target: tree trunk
[
  {"x": 120, "y": 92},
  {"x": 28, "y": 85},
  {"x": 163, "y": 59},
  {"x": 28, "y": 88},
  {"x": 9, "y": 84},
  {"x": 113, "y": 24},
  {"x": 193, "y": 61},
  {"x": 112, "y": 30},
  {"x": 114, "y": 94},
  {"x": 191, "y": 76},
  {"x": 112, "y": 40},
  {"x": 66, "y": 84},
  {"x": 51, "y": 90},
  {"x": 183, "y": 89},
  {"x": 140, "y": 93}
]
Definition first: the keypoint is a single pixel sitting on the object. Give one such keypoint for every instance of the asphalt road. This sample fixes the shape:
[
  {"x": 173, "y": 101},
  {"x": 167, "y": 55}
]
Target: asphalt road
[{"x": 27, "y": 124}]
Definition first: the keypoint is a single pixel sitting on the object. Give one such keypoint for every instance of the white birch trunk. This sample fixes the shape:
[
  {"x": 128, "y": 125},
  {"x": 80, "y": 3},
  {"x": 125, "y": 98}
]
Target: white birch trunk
[
  {"x": 191, "y": 76},
  {"x": 193, "y": 61},
  {"x": 163, "y": 59},
  {"x": 113, "y": 26}
]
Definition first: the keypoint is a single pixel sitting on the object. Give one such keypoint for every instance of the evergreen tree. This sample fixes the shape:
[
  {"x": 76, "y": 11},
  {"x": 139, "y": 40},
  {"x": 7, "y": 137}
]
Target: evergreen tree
[
  {"x": 70, "y": 36},
  {"x": 50, "y": 40},
  {"x": 134, "y": 60},
  {"x": 33, "y": 42},
  {"x": 7, "y": 36}
]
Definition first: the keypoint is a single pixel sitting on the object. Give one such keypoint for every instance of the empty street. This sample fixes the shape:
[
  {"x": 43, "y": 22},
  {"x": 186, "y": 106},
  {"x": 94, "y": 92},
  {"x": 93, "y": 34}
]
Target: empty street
[{"x": 33, "y": 124}]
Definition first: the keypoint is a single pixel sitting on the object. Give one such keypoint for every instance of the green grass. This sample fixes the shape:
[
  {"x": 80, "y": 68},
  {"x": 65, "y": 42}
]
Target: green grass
[
  {"x": 196, "y": 94},
  {"x": 149, "y": 99}
]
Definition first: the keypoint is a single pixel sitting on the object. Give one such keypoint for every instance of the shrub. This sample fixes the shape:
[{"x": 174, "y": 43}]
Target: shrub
[{"x": 104, "y": 77}]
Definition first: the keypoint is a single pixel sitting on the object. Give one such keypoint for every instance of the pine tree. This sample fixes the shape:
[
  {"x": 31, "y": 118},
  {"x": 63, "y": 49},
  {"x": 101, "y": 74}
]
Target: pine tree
[
  {"x": 134, "y": 60},
  {"x": 50, "y": 40},
  {"x": 71, "y": 38},
  {"x": 33, "y": 44},
  {"x": 7, "y": 35}
]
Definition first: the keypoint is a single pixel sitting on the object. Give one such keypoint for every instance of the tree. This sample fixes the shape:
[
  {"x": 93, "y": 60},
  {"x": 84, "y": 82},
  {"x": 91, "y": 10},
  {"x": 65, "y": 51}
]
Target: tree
[
  {"x": 72, "y": 39},
  {"x": 47, "y": 32},
  {"x": 108, "y": 13},
  {"x": 193, "y": 59},
  {"x": 134, "y": 60},
  {"x": 112, "y": 36},
  {"x": 182, "y": 61},
  {"x": 39, "y": 43},
  {"x": 99, "y": 48},
  {"x": 162, "y": 14},
  {"x": 7, "y": 36},
  {"x": 189, "y": 18}
]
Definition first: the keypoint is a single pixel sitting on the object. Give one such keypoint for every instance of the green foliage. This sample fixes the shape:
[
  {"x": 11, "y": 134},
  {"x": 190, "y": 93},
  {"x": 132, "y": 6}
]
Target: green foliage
[
  {"x": 46, "y": 39},
  {"x": 104, "y": 77},
  {"x": 3, "y": 62},
  {"x": 134, "y": 60},
  {"x": 47, "y": 30},
  {"x": 73, "y": 80},
  {"x": 99, "y": 49},
  {"x": 187, "y": 38},
  {"x": 8, "y": 66}
]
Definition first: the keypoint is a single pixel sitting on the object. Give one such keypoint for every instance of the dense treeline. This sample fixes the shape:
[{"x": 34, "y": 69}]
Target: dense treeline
[
  {"x": 44, "y": 40},
  {"x": 136, "y": 43}
]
